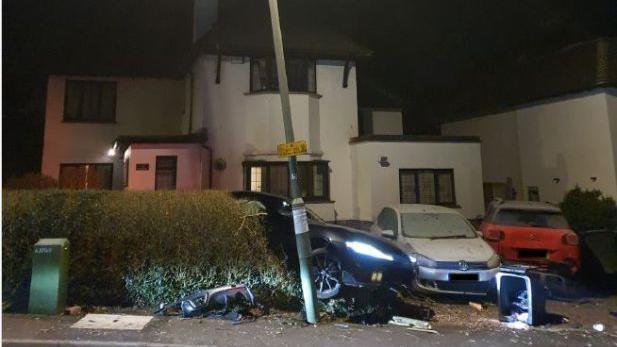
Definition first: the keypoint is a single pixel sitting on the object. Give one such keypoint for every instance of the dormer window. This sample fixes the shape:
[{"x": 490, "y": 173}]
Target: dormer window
[{"x": 300, "y": 75}]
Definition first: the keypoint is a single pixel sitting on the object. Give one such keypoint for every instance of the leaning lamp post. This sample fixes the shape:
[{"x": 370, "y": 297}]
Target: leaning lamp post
[{"x": 303, "y": 242}]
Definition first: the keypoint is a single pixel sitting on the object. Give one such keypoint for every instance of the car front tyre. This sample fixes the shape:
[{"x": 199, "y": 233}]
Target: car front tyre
[{"x": 327, "y": 273}]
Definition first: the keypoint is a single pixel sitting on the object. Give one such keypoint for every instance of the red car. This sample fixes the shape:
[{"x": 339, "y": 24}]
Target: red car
[{"x": 532, "y": 233}]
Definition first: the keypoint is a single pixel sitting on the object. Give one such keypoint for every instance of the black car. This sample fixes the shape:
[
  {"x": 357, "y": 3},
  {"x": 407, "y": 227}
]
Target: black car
[{"x": 341, "y": 256}]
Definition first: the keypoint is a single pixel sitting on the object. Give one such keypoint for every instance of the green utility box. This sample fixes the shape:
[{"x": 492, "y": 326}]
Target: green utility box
[{"x": 50, "y": 270}]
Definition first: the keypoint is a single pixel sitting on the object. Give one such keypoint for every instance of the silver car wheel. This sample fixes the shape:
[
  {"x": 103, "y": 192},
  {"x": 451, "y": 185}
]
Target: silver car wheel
[{"x": 326, "y": 273}]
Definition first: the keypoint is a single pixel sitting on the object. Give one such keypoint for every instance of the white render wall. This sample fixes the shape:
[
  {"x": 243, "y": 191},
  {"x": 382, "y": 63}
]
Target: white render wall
[
  {"x": 144, "y": 106},
  {"x": 611, "y": 104},
  {"x": 377, "y": 186},
  {"x": 243, "y": 126},
  {"x": 191, "y": 166},
  {"x": 500, "y": 146},
  {"x": 571, "y": 138}
]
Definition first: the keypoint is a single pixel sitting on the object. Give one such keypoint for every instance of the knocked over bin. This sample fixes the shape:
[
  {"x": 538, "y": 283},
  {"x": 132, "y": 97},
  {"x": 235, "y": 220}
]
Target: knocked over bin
[
  {"x": 521, "y": 295},
  {"x": 50, "y": 269}
]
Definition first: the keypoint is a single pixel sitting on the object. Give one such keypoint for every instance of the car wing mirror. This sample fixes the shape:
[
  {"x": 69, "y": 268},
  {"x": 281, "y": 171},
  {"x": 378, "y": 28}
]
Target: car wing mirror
[{"x": 388, "y": 234}]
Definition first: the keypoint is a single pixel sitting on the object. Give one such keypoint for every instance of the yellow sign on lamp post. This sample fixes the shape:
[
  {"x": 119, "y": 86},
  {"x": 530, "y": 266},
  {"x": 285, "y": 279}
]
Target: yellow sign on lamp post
[{"x": 291, "y": 148}]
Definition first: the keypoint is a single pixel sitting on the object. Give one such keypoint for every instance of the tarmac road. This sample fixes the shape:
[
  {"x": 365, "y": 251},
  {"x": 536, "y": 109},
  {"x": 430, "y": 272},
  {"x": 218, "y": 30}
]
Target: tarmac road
[{"x": 457, "y": 326}]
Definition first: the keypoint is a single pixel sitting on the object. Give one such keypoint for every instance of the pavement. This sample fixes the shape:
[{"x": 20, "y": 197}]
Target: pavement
[{"x": 456, "y": 324}]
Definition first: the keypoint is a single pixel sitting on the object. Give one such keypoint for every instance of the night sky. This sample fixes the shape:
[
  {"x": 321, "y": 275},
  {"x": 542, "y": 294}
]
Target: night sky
[{"x": 425, "y": 52}]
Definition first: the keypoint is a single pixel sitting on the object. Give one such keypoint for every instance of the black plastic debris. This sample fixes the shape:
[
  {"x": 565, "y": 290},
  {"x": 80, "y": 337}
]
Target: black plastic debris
[
  {"x": 230, "y": 302},
  {"x": 521, "y": 295}
]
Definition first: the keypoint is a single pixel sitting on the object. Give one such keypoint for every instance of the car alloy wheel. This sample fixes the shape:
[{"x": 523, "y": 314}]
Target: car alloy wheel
[{"x": 327, "y": 274}]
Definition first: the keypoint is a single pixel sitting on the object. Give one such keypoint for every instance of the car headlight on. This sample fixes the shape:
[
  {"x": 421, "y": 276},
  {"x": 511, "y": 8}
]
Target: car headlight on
[
  {"x": 369, "y": 250},
  {"x": 420, "y": 260},
  {"x": 493, "y": 262}
]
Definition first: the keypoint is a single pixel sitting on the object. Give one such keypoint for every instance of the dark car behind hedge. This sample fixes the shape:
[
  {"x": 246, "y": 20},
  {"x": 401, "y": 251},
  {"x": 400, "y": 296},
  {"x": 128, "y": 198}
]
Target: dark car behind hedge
[{"x": 341, "y": 256}]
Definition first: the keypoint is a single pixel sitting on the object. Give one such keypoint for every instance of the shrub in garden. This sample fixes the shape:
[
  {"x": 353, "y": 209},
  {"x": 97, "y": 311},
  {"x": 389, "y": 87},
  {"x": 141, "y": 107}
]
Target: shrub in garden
[
  {"x": 142, "y": 247},
  {"x": 589, "y": 210}
]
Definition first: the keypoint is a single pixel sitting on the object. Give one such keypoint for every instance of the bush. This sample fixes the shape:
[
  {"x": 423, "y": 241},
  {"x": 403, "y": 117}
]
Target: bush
[
  {"x": 141, "y": 247},
  {"x": 589, "y": 210},
  {"x": 31, "y": 181}
]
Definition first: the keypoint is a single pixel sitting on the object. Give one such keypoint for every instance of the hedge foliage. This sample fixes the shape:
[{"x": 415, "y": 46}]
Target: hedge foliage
[
  {"x": 589, "y": 210},
  {"x": 141, "y": 247}
]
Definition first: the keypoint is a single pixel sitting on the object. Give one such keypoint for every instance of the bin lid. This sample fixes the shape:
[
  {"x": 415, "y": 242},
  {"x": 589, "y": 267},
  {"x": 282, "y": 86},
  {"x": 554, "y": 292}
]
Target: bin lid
[{"x": 52, "y": 242}]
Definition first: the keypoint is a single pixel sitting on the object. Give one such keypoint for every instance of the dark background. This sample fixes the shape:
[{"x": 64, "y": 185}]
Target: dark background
[{"x": 427, "y": 54}]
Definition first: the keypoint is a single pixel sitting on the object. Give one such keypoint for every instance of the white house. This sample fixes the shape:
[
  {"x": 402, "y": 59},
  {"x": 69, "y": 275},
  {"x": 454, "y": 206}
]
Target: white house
[
  {"x": 218, "y": 126},
  {"x": 543, "y": 148}
]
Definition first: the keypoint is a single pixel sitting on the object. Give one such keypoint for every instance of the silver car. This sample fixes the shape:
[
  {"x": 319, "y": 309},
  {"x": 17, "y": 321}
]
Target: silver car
[{"x": 448, "y": 254}]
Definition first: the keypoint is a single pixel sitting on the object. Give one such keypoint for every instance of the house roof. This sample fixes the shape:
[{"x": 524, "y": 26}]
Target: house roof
[
  {"x": 572, "y": 69},
  {"x": 414, "y": 138},
  {"x": 136, "y": 38},
  {"x": 124, "y": 141},
  {"x": 247, "y": 31}
]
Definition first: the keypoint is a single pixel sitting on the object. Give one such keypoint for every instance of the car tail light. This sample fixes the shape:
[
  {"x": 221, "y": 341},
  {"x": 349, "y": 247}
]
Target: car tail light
[
  {"x": 569, "y": 239},
  {"x": 494, "y": 235}
]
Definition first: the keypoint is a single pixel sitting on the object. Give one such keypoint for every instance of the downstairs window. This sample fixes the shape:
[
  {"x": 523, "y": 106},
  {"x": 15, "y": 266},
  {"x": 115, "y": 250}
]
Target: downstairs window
[
  {"x": 427, "y": 186},
  {"x": 86, "y": 176},
  {"x": 273, "y": 177}
]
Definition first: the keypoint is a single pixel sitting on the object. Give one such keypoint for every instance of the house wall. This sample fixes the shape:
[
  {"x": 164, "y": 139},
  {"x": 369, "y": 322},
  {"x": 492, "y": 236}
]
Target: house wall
[
  {"x": 570, "y": 138},
  {"x": 611, "y": 103},
  {"x": 245, "y": 126},
  {"x": 377, "y": 186},
  {"x": 192, "y": 165},
  {"x": 144, "y": 106},
  {"x": 500, "y": 146}
]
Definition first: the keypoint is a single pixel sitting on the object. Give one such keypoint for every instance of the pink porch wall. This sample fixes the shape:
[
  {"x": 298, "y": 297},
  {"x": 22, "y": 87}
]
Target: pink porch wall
[{"x": 192, "y": 169}]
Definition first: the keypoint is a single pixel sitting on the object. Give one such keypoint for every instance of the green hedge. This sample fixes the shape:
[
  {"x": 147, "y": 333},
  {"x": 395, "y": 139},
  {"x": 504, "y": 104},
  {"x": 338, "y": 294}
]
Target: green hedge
[
  {"x": 589, "y": 210},
  {"x": 141, "y": 247}
]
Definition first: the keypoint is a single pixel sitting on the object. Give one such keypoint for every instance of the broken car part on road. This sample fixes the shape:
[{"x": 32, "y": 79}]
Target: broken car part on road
[{"x": 224, "y": 302}]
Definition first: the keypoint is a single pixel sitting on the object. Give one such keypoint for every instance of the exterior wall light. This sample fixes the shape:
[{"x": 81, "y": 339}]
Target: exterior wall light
[
  {"x": 593, "y": 178},
  {"x": 112, "y": 150},
  {"x": 383, "y": 161},
  {"x": 556, "y": 180}
]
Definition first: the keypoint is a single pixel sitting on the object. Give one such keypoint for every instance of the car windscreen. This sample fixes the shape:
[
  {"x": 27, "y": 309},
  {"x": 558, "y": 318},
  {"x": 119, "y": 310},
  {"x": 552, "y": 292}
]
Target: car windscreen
[
  {"x": 436, "y": 226},
  {"x": 310, "y": 214},
  {"x": 531, "y": 218},
  {"x": 314, "y": 217}
]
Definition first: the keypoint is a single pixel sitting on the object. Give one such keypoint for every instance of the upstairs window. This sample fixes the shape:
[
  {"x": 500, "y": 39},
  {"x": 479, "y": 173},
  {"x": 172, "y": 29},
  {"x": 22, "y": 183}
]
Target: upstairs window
[
  {"x": 90, "y": 101},
  {"x": 300, "y": 75},
  {"x": 427, "y": 186},
  {"x": 273, "y": 177}
]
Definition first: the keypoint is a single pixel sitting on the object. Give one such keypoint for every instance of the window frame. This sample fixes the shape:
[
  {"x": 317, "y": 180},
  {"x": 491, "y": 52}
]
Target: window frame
[
  {"x": 266, "y": 166},
  {"x": 111, "y": 178},
  {"x": 66, "y": 119},
  {"x": 435, "y": 173},
  {"x": 273, "y": 66},
  {"x": 156, "y": 171},
  {"x": 127, "y": 171}
]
